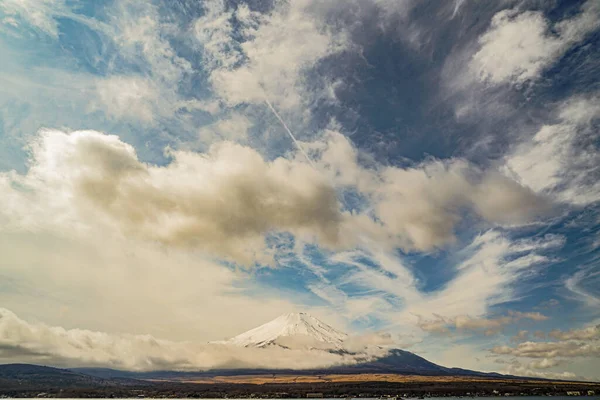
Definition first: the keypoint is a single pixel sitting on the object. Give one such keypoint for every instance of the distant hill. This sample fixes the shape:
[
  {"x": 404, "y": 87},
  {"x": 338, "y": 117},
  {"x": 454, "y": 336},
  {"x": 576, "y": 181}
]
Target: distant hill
[
  {"x": 23, "y": 376},
  {"x": 22, "y": 380},
  {"x": 19, "y": 375}
]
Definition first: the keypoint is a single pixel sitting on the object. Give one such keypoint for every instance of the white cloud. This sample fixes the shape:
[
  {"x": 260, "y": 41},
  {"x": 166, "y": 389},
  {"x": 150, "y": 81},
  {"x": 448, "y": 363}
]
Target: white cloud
[
  {"x": 98, "y": 280},
  {"x": 519, "y": 46},
  {"x": 561, "y": 159},
  {"x": 544, "y": 363},
  {"x": 141, "y": 79},
  {"x": 589, "y": 333},
  {"x": 550, "y": 349},
  {"x": 142, "y": 36},
  {"x": 390, "y": 276},
  {"x": 438, "y": 325},
  {"x": 39, "y": 14},
  {"x": 86, "y": 184},
  {"x": 128, "y": 97},
  {"x": 521, "y": 336},
  {"x": 548, "y": 241},
  {"x": 417, "y": 208},
  {"x": 127, "y": 239},
  {"x": 41, "y": 343},
  {"x": 574, "y": 285},
  {"x": 521, "y": 370},
  {"x": 234, "y": 127},
  {"x": 488, "y": 326},
  {"x": 276, "y": 51},
  {"x": 424, "y": 204},
  {"x": 574, "y": 346},
  {"x": 359, "y": 343},
  {"x": 535, "y": 316},
  {"x": 488, "y": 272},
  {"x": 214, "y": 31},
  {"x": 224, "y": 201}
]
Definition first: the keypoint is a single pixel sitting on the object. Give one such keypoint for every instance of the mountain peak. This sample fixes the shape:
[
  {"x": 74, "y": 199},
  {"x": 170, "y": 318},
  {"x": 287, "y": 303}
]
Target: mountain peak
[{"x": 297, "y": 324}]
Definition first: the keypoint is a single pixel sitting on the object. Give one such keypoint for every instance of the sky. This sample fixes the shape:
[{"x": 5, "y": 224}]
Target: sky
[{"x": 178, "y": 172}]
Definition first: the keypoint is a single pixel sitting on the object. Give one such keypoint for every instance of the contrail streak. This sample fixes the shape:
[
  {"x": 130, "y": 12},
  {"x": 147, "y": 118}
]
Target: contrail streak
[{"x": 290, "y": 133}]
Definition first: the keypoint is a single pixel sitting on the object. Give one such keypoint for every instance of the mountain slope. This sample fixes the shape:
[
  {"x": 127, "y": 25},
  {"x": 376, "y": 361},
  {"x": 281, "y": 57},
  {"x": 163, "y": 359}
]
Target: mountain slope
[
  {"x": 288, "y": 326},
  {"x": 20, "y": 375},
  {"x": 400, "y": 361}
]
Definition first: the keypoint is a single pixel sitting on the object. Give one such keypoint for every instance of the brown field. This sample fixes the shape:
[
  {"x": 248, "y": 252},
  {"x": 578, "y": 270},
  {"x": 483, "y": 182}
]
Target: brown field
[{"x": 355, "y": 378}]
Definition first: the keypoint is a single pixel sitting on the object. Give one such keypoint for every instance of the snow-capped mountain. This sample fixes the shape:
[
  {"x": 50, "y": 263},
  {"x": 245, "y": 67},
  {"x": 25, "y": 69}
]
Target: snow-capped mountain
[
  {"x": 328, "y": 350},
  {"x": 294, "y": 326}
]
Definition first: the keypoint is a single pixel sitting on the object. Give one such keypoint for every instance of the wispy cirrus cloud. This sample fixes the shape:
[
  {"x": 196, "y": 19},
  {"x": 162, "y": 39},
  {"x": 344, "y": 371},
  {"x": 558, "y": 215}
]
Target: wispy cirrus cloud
[
  {"x": 270, "y": 61},
  {"x": 490, "y": 271},
  {"x": 575, "y": 285},
  {"x": 41, "y": 15}
]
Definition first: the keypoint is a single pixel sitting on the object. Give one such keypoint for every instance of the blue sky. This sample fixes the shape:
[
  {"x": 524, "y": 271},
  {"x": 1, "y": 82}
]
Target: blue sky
[{"x": 444, "y": 187}]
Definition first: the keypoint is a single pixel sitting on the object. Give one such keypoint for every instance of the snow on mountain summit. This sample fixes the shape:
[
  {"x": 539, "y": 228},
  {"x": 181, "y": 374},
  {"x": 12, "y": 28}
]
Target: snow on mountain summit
[{"x": 293, "y": 325}]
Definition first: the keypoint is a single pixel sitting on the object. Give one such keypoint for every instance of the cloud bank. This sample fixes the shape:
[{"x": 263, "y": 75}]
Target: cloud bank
[
  {"x": 223, "y": 201},
  {"x": 488, "y": 326},
  {"x": 227, "y": 200},
  {"x": 42, "y": 344},
  {"x": 568, "y": 346}
]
